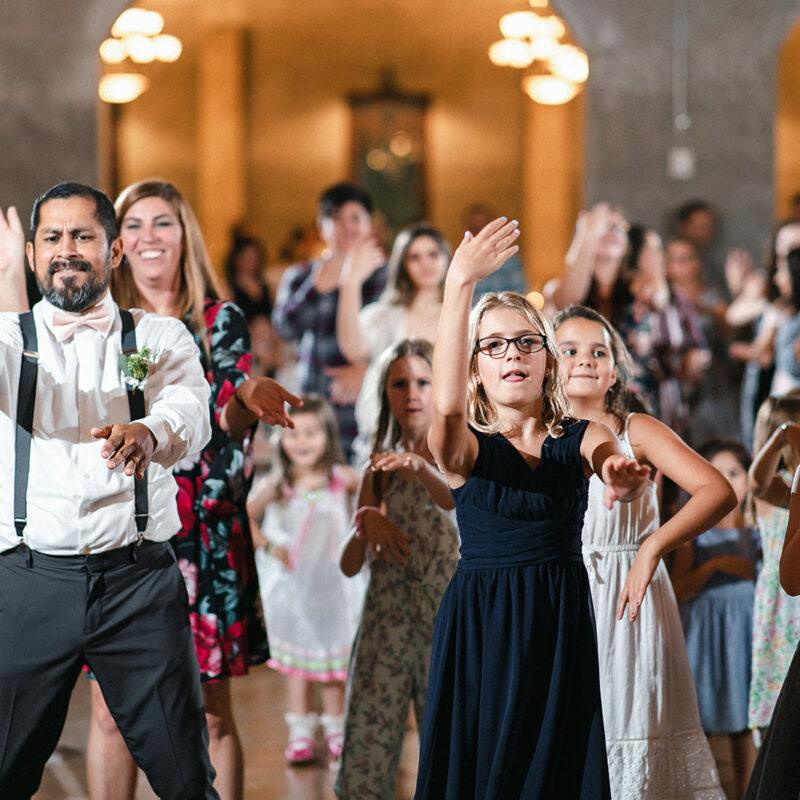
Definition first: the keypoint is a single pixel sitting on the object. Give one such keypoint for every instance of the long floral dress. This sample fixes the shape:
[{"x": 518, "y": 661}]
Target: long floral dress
[
  {"x": 213, "y": 548},
  {"x": 776, "y": 622}
]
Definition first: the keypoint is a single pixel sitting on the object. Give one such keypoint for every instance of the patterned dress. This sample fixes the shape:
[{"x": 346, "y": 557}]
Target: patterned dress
[
  {"x": 213, "y": 548},
  {"x": 389, "y": 665},
  {"x": 776, "y": 623}
]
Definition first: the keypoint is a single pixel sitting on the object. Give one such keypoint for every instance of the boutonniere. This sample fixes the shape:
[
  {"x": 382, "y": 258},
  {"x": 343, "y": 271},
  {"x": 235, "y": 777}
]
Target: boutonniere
[{"x": 136, "y": 367}]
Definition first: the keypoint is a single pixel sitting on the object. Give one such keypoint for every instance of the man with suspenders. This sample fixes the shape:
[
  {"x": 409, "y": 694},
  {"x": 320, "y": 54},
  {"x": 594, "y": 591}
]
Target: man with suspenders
[{"x": 87, "y": 505}]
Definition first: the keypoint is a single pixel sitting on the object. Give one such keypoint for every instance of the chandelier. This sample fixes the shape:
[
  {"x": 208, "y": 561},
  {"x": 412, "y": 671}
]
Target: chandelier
[
  {"x": 136, "y": 36},
  {"x": 532, "y": 39}
]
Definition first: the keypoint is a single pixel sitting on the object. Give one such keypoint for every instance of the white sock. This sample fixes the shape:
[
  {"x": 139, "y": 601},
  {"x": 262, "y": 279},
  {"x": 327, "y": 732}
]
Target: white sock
[
  {"x": 332, "y": 724},
  {"x": 301, "y": 726}
]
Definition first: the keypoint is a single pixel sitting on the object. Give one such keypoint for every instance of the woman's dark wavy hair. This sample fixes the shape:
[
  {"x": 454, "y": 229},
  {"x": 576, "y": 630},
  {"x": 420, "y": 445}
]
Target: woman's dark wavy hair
[{"x": 620, "y": 399}]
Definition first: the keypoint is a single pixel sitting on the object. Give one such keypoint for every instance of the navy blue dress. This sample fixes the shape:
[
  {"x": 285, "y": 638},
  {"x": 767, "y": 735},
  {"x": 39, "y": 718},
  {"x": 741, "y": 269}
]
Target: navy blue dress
[{"x": 513, "y": 705}]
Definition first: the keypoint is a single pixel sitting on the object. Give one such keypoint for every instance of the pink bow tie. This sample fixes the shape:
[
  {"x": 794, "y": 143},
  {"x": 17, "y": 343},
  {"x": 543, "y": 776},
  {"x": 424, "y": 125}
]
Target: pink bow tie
[{"x": 65, "y": 323}]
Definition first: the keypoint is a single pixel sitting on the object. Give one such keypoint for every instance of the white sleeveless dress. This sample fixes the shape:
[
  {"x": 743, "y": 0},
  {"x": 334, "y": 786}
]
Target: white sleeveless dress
[{"x": 656, "y": 747}]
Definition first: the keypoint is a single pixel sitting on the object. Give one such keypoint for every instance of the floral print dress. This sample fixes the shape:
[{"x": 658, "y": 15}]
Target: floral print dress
[
  {"x": 776, "y": 622},
  {"x": 213, "y": 547},
  {"x": 392, "y": 650}
]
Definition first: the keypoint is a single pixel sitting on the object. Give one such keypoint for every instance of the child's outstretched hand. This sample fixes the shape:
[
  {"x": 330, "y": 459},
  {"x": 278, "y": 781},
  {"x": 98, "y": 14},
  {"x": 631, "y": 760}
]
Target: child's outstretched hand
[
  {"x": 624, "y": 478},
  {"x": 407, "y": 465},
  {"x": 642, "y": 569},
  {"x": 481, "y": 255},
  {"x": 386, "y": 540}
]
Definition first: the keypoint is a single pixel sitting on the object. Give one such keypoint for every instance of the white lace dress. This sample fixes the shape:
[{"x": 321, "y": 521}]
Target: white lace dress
[
  {"x": 311, "y": 609},
  {"x": 656, "y": 747}
]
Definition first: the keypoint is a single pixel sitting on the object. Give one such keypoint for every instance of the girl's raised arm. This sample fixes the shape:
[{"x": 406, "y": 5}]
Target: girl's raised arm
[
  {"x": 790, "y": 557},
  {"x": 453, "y": 446},
  {"x": 710, "y": 499},
  {"x": 763, "y": 477}
]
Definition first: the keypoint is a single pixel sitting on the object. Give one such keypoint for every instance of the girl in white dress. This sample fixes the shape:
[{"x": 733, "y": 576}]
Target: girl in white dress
[
  {"x": 311, "y": 609},
  {"x": 656, "y": 746}
]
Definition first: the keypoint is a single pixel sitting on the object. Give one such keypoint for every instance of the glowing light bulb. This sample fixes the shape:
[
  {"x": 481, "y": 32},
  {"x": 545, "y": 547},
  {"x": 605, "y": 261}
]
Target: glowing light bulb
[
  {"x": 113, "y": 51},
  {"x": 168, "y": 48},
  {"x": 138, "y": 20},
  {"x": 511, "y": 53},
  {"x": 121, "y": 87},
  {"x": 549, "y": 90},
  {"x": 520, "y": 24},
  {"x": 570, "y": 63}
]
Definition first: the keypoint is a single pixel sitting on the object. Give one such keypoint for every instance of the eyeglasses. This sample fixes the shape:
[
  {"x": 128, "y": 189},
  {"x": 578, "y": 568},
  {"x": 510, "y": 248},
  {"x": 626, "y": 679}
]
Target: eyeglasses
[{"x": 497, "y": 346}]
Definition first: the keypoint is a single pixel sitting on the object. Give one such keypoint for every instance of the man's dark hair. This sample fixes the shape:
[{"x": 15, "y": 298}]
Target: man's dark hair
[
  {"x": 334, "y": 197},
  {"x": 104, "y": 208},
  {"x": 691, "y": 207}
]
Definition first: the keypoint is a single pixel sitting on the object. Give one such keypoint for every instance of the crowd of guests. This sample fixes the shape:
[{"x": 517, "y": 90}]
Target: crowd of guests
[{"x": 427, "y": 382}]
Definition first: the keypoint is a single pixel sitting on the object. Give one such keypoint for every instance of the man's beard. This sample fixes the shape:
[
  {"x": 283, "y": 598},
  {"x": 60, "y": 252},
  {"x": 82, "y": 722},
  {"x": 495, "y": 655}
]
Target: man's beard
[{"x": 68, "y": 296}]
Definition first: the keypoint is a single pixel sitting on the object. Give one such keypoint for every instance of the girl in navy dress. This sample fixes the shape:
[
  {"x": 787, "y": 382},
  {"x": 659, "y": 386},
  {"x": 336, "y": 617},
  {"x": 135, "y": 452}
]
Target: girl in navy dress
[{"x": 513, "y": 706}]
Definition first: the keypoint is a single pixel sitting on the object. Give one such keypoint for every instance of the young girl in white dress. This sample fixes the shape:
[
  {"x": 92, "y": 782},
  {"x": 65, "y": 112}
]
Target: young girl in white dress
[
  {"x": 311, "y": 609},
  {"x": 656, "y": 746}
]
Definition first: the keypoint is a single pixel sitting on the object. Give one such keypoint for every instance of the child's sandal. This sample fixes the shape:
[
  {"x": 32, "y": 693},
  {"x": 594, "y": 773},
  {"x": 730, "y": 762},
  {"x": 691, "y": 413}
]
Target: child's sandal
[
  {"x": 301, "y": 748},
  {"x": 300, "y": 751}
]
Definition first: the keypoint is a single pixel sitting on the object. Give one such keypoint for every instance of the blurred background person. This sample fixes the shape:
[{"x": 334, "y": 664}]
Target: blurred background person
[{"x": 308, "y": 298}]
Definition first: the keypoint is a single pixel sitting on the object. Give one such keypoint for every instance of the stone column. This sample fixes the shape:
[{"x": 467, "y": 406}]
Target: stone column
[
  {"x": 732, "y": 51},
  {"x": 222, "y": 188},
  {"x": 552, "y": 185}
]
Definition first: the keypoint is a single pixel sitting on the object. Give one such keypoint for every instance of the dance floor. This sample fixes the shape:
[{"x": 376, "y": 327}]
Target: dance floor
[
  {"x": 258, "y": 703},
  {"x": 258, "y": 700}
]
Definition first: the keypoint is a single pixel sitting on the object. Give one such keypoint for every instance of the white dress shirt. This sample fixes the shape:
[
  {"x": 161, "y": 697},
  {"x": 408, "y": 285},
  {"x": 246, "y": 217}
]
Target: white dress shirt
[{"x": 76, "y": 505}]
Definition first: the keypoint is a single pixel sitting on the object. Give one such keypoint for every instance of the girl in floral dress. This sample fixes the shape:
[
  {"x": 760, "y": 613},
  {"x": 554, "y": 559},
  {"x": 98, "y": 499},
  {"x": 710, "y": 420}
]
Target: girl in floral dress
[
  {"x": 312, "y": 610},
  {"x": 776, "y": 616},
  {"x": 411, "y": 544}
]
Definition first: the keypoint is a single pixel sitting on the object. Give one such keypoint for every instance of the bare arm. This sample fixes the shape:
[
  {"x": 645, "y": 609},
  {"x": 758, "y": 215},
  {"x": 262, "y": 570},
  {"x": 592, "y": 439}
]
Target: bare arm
[
  {"x": 790, "y": 556},
  {"x": 354, "y": 552},
  {"x": 452, "y": 444},
  {"x": 574, "y": 284},
  {"x": 711, "y": 497},
  {"x": 688, "y": 581},
  {"x": 415, "y": 467},
  {"x": 765, "y": 482},
  {"x": 361, "y": 262},
  {"x": 13, "y": 292}
]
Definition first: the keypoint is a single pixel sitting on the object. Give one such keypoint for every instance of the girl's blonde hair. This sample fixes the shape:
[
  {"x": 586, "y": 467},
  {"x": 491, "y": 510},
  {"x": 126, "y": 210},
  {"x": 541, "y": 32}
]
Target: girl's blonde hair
[
  {"x": 619, "y": 396},
  {"x": 198, "y": 280},
  {"x": 480, "y": 409},
  {"x": 282, "y": 472},
  {"x": 772, "y": 413}
]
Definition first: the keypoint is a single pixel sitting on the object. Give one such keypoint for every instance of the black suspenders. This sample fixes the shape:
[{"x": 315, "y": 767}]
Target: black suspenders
[
  {"x": 26, "y": 398},
  {"x": 136, "y": 406}
]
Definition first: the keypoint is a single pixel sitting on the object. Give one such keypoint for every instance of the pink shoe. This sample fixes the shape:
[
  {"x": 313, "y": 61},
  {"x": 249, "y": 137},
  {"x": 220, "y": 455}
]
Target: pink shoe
[
  {"x": 300, "y": 751},
  {"x": 301, "y": 748},
  {"x": 335, "y": 743}
]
